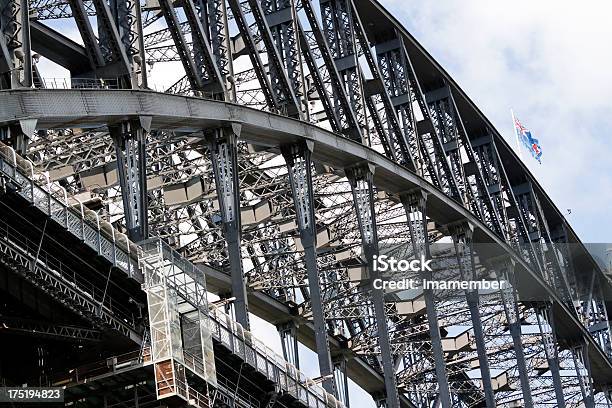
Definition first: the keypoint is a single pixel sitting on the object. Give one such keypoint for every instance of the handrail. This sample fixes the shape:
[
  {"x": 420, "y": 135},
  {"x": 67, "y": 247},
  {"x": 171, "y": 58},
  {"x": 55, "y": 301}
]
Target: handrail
[
  {"x": 299, "y": 379},
  {"x": 58, "y": 196},
  {"x": 108, "y": 365}
]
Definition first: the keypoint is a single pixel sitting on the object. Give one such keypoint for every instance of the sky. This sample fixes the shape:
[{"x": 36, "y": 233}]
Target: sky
[{"x": 548, "y": 60}]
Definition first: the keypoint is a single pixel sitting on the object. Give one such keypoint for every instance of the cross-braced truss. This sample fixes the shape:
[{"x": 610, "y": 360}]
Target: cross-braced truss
[{"x": 305, "y": 233}]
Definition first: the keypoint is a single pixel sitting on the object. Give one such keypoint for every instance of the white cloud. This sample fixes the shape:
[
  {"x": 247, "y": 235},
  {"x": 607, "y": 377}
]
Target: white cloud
[{"x": 549, "y": 60}]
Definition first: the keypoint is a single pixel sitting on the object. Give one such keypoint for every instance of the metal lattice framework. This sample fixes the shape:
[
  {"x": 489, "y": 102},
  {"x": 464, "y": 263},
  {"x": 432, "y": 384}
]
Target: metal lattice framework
[{"x": 298, "y": 141}]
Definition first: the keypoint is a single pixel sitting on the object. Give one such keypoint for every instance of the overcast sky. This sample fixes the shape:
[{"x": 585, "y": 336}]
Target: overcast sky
[{"x": 550, "y": 61}]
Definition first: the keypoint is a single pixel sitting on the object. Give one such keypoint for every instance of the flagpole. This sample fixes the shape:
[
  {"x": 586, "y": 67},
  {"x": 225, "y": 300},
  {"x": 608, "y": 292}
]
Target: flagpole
[{"x": 518, "y": 144}]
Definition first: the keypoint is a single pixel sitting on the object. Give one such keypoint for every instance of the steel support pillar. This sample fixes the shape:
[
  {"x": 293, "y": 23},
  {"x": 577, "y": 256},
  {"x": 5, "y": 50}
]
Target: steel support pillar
[
  {"x": 281, "y": 20},
  {"x": 299, "y": 168},
  {"x": 113, "y": 49},
  {"x": 360, "y": 179},
  {"x": 17, "y": 135},
  {"x": 15, "y": 44},
  {"x": 204, "y": 61},
  {"x": 213, "y": 17},
  {"x": 462, "y": 238},
  {"x": 224, "y": 157},
  {"x": 509, "y": 296},
  {"x": 337, "y": 24},
  {"x": 415, "y": 205},
  {"x": 130, "y": 147},
  {"x": 583, "y": 373},
  {"x": 280, "y": 74},
  {"x": 335, "y": 100},
  {"x": 341, "y": 380},
  {"x": 128, "y": 21},
  {"x": 544, "y": 316},
  {"x": 289, "y": 342},
  {"x": 90, "y": 42}
]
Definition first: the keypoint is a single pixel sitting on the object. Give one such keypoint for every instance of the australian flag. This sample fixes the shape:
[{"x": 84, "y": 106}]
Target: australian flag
[{"x": 531, "y": 143}]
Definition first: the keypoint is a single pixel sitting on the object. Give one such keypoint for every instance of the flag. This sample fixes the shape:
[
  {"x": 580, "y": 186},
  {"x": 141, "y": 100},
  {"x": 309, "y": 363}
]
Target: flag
[{"x": 531, "y": 143}]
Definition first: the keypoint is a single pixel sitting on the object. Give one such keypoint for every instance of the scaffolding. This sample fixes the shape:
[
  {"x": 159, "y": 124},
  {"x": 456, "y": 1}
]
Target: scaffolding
[
  {"x": 183, "y": 327},
  {"x": 180, "y": 336}
]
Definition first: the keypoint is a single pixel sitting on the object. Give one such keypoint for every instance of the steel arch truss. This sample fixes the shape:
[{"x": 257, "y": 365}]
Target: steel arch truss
[{"x": 301, "y": 231}]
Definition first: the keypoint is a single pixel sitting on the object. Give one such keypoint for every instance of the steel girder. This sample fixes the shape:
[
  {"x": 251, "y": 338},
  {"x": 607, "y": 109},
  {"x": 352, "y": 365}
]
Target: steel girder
[
  {"x": 455, "y": 142},
  {"x": 19, "y": 325},
  {"x": 208, "y": 65},
  {"x": 329, "y": 84}
]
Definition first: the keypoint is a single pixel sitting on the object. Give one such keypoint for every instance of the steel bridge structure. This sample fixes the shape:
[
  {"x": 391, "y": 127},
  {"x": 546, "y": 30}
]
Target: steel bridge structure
[{"x": 299, "y": 141}]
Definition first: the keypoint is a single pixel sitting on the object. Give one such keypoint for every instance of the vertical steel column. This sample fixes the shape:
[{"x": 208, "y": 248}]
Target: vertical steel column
[
  {"x": 462, "y": 239},
  {"x": 511, "y": 310},
  {"x": 544, "y": 315},
  {"x": 335, "y": 100},
  {"x": 539, "y": 233},
  {"x": 223, "y": 155},
  {"x": 299, "y": 168},
  {"x": 580, "y": 355},
  {"x": 111, "y": 45},
  {"x": 15, "y": 51},
  {"x": 281, "y": 19},
  {"x": 341, "y": 380},
  {"x": 415, "y": 205},
  {"x": 393, "y": 139},
  {"x": 598, "y": 321},
  {"x": 289, "y": 342},
  {"x": 213, "y": 17},
  {"x": 130, "y": 147},
  {"x": 457, "y": 146},
  {"x": 273, "y": 99},
  {"x": 279, "y": 75},
  {"x": 191, "y": 70},
  {"x": 360, "y": 179},
  {"x": 205, "y": 63},
  {"x": 128, "y": 20},
  {"x": 90, "y": 42},
  {"x": 18, "y": 134},
  {"x": 337, "y": 22}
]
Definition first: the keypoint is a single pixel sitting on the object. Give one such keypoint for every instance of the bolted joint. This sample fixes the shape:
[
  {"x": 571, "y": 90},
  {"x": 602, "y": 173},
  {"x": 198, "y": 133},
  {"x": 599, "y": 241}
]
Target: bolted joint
[
  {"x": 361, "y": 180},
  {"x": 463, "y": 230},
  {"x": 362, "y": 172},
  {"x": 416, "y": 199},
  {"x": 299, "y": 169},
  {"x": 222, "y": 147},
  {"x": 129, "y": 138}
]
